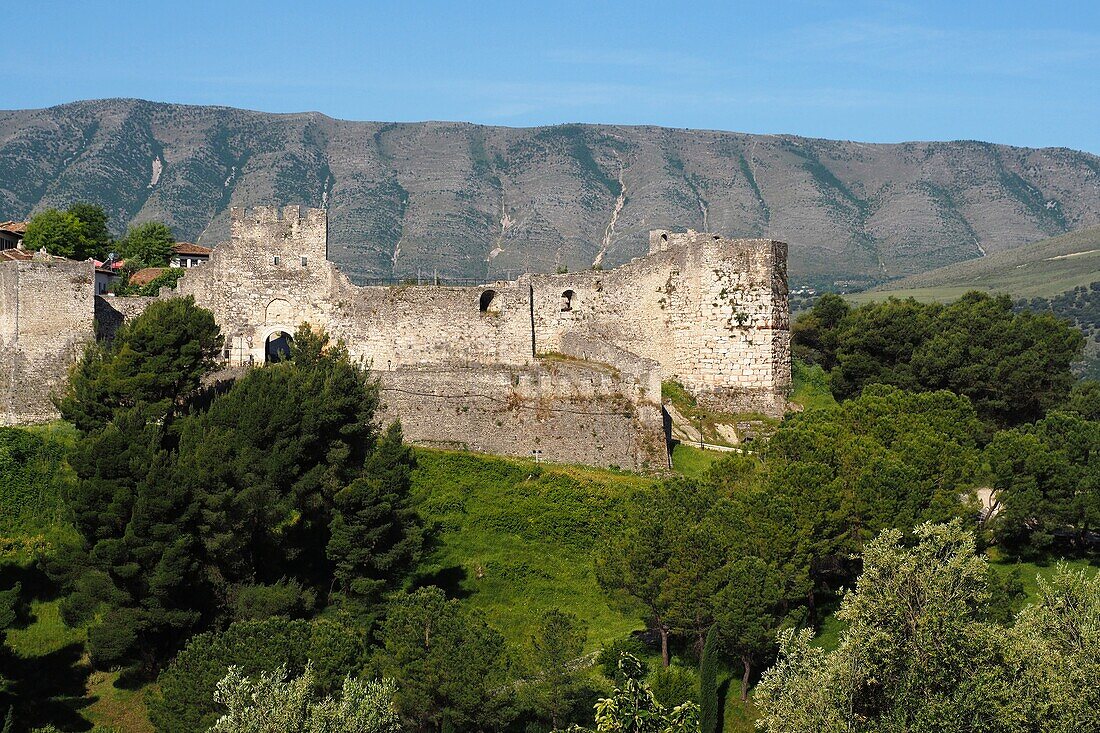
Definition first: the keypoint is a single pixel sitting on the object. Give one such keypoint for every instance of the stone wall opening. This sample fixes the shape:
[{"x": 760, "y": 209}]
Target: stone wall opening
[
  {"x": 568, "y": 298},
  {"x": 277, "y": 346},
  {"x": 489, "y": 302}
]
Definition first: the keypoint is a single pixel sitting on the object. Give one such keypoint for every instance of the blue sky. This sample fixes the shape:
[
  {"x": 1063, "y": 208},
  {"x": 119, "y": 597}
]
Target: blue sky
[{"x": 1025, "y": 73}]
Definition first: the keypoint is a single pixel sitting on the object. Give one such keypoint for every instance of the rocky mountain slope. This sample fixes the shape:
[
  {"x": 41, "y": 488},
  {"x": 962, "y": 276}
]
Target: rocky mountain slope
[{"x": 475, "y": 201}]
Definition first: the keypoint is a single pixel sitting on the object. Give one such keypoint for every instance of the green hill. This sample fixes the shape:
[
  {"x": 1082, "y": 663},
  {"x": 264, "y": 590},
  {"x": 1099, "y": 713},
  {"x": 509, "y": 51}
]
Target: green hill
[
  {"x": 517, "y": 539},
  {"x": 1043, "y": 269}
]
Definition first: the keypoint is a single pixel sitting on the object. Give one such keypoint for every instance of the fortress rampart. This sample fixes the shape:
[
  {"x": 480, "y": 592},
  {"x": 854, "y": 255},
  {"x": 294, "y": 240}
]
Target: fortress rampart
[
  {"x": 46, "y": 320},
  {"x": 567, "y": 367}
]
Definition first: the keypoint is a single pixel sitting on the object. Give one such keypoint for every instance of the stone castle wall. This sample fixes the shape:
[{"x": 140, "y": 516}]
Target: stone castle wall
[
  {"x": 112, "y": 312},
  {"x": 46, "y": 317},
  {"x": 567, "y": 367},
  {"x": 562, "y": 412},
  {"x": 273, "y": 275},
  {"x": 711, "y": 311}
]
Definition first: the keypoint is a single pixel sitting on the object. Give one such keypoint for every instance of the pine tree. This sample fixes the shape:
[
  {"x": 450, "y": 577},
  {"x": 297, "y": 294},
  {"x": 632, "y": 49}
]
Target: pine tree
[
  {"x": 708, "y": 684},
  {"x": 376, "y": 534}
]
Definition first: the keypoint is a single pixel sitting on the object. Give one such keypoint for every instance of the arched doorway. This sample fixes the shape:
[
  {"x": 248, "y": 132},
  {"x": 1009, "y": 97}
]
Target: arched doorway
[
  {"x": 277, "y": 346},
  {"x": 489, "y": 302}
]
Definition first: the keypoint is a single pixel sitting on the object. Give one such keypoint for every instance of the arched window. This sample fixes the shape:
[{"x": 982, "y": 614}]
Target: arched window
[
  {"x": 567, "y": 300},
  {"x": 489, "y": 302}
]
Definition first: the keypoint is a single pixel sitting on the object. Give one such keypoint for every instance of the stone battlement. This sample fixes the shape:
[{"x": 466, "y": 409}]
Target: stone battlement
[{"x": 304, "y": 230}]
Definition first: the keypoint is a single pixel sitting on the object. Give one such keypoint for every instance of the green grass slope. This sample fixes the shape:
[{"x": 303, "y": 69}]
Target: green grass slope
[
  {"x": 1043, "y": 269},
  {"x": 34, "y": 478},
  {"x": 517, "y": 539}
]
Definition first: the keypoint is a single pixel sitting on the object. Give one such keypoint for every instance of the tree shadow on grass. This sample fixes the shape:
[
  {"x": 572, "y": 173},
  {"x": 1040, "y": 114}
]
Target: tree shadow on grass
[
  {"x": 449, "y": 579},
  {"x": 53, "y": 687},
  {"x": 35, "y": 584},
  {"x": 723, "y": 697}
]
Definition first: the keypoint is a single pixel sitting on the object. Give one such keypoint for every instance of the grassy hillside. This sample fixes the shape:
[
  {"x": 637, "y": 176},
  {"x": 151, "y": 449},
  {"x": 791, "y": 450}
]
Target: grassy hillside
[
  {"x": 517, "y": 538},
  {"x": 511, "y": 537},
  {"x": 1043, "y": 269},
  {"x": 34, "y": 478}
]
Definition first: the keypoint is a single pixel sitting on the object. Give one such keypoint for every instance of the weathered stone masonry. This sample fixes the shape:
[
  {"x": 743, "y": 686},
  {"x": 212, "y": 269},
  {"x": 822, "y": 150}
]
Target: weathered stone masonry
[
  {"x": 568, "y": 366},
  {"x": 46, "y": 316}
]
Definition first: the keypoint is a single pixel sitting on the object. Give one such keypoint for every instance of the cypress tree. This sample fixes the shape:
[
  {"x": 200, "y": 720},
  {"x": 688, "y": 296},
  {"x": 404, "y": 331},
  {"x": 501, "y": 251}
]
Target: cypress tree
[{"x": 708, "y": 684}]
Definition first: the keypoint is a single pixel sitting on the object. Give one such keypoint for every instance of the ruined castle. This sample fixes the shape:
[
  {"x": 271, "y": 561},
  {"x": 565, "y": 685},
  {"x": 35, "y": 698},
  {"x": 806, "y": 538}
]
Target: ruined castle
[{"x": 564, "y": 367}]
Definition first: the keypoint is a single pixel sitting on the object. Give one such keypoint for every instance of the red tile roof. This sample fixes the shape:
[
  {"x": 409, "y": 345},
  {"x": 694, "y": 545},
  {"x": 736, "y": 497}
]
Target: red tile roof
[
  {"x": 16, "y": 255},
  {"x": 15, "y": 227},
  {"x": 146, "y": 275},
  {"x": 189, "y": 248}
]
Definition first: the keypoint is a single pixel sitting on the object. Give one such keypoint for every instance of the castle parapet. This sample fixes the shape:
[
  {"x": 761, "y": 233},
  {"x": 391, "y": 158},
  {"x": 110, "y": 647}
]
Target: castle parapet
[{"x": 270, "y": 226}]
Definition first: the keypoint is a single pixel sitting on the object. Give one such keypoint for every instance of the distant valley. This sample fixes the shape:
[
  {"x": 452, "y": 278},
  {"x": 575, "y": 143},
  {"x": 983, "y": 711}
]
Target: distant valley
[{"x": 464, "y": 200}]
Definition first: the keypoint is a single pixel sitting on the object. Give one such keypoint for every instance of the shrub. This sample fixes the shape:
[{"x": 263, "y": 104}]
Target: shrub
[
  {"x": 33, "y": 481},
  {"x": 184, "y": 698},
  {"x": 609, "y": 657},
  {"x": 286, "y": 599},
  {"x": 673, "y": 686}
]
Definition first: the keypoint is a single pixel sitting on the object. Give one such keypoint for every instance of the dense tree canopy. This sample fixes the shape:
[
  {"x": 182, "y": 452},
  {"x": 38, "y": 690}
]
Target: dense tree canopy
[
  {"x": 1013, "y": 366},
  {"x": 96, "y": 237},
  {"x": 1084, "y": 399},
  {"x": 375, "y": 534},
  {"x": 153, "y": 363},
  {"x": 225, "y": 507},
  {"x": 183, "y": 700},
  {"x": 147, "y": 245},
  {"x": 78, "y": 233},
  {"x": 1047, "y": 482},
  {"x": 451, "y": 665},
  {"x": 888, "y": 458},
  {"x": 747, "y": 612},
  {"x": 918, "y": 654},
  {"x": 669, "y": 557},
  {"x": 266, "y": 461},
  {"x": 554, "y": 684},
  {"x": 58, "y": 232}
]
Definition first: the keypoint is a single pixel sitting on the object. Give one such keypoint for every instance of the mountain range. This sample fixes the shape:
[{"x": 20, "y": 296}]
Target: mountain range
[{"x": 466, "y": 200}]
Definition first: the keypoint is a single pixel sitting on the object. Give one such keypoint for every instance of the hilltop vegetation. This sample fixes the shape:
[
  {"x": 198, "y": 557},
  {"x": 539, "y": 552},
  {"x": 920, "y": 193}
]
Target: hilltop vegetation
[
  {"x": 476, "y": 201},
  {"x": 1060, "y": 275},
  {"x": 1013, "y": 366},
  {"x": 1081, "y": 307},
  {"x": 1041, "y": 270}
]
